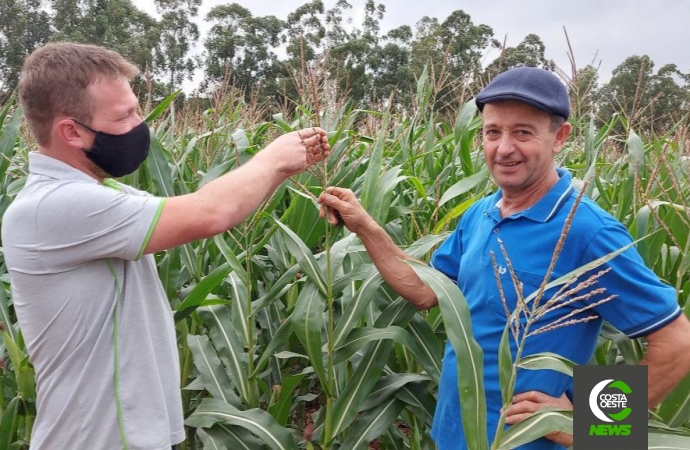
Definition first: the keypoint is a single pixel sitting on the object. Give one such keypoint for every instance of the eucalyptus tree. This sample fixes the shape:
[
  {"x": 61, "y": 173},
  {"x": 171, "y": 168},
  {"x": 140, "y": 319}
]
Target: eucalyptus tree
[
  {"x": 649, "y": 100},
  {"x": 24, "y": 26},
  {"x": 116, "y": 24},
  {"x": 305, "y": 32},
  {"x": 241, "y": 48},
  {"x": 392, "y": 74},
  {"x": 529, "y": 52},
  {"x": 174, "y": 61},
  {"x": 354, "y": 59},
  {"x": 453, "y": 50}
]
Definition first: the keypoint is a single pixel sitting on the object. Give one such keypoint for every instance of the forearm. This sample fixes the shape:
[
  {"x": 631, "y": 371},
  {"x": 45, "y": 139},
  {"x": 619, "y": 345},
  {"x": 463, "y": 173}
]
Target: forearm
[
  {"x": 236, "y": 195},
  {"x": 390, "y": 261},
  {"x": 665, "y": 372}
]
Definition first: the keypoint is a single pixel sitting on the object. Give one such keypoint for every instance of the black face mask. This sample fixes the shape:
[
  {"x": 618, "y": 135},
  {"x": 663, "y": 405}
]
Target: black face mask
[{"x": 119, "y": 154}]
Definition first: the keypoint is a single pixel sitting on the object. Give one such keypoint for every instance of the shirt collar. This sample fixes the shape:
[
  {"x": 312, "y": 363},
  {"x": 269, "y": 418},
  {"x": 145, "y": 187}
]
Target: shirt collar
[
  {"x": 40, "y": 164},
  {"x": 549, "y": 205}
]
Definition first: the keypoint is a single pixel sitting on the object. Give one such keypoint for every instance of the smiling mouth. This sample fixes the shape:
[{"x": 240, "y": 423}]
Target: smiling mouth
[{"x": 509, "y": 164}]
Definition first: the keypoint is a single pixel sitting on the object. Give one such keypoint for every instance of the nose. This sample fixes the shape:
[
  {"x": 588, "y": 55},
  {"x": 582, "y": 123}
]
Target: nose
[{"x": 505, "y": 144}]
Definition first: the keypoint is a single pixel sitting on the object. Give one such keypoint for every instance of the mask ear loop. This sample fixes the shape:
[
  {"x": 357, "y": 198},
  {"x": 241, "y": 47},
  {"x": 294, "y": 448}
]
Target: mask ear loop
[{"x": 85, "y": 126}]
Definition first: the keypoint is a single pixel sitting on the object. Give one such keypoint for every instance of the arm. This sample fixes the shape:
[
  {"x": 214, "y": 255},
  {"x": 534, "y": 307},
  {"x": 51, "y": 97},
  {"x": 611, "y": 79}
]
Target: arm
[
  {"x": 667, "y": 358},
  {"x": 388, "y": 258},
  {"x": 230, "y": 199}
]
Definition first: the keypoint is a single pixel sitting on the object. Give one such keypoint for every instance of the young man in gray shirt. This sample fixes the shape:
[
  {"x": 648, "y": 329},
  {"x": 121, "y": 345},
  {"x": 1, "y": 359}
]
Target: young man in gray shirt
[{"x": 78, "y": 245}]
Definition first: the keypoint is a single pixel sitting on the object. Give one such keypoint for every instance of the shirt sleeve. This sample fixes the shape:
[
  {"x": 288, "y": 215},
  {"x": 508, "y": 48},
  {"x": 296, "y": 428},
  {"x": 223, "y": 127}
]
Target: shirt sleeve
[
  {"x": 446, "y": 259},
  {"x": 79, "y": 222},
  {"x": 643, "y": 303}
]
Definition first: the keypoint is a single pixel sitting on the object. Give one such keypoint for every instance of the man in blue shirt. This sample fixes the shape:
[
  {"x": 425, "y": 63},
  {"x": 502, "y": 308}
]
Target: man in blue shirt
[{"x": 525, "y": 112}]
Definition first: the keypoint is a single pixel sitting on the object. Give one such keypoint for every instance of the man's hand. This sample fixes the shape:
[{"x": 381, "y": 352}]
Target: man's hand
[
  {"x": 527, "y": 403},
  {"x": 341, "y": 204},
  {"x": 296, "y": 151}
]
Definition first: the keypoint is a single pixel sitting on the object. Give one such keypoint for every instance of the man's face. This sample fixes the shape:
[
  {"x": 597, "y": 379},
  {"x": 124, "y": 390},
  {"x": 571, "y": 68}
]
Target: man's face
[
  {"x": 519, "y": 145},
  {"x": 115, "y": 107}
]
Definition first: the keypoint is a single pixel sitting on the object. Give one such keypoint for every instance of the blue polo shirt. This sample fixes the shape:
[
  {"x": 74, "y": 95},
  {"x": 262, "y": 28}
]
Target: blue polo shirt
[{"x": 642, "y": 304}]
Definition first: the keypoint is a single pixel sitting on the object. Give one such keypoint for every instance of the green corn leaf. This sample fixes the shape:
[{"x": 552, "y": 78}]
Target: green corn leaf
[
  {"x": 389, "y": 385},
  {"x": 278, "y": 288},
  {"x": 669, "y": 440},
  {"x": 636, "y": 154},
  {"x": 5, "y": 315},
  {"x": 370, "y": 367},
  {"x": 505, "y": 363},
  {"x": 356, "y": 308},
  {"x": 304, "y": 258},
  {"x": 418, "y": 401},
  {"x": 551, "y": 361},
  {"x": 231, "y": 259},
  {"x": 197, "y": 295},
  {"x": 539, "y": 424},
  {"x": 304, "y": 220},
  {"x": 422, "y": 246},
  {"x": 675, "y": 410},
  {"x": 169, "y": 273},
  {"x": 157, "y": 163},
  {"x": 280, "y": 410},
  {"x": 214, "y": 439},
  {"x": 240, "y": 307},
  {"x": 190, "y": 261},
  {"x": 9, "y": 423},
  {"x": 278, "y": 340},
  {"x": 215, "y": 380},
  {"x": 359, "y": 337},
  {"x": 625, "y": 345},
  {"x": 228, "y": 345},
  {"x": 465, "y": 119},
  {"x": 258, "y": 422},
  {"x": 374, "y": 169},
  {"x": 162, "y": 106},
  {"x": 380, "y": 202},
  {"x": 360, "y": 273},
  {"x": 455, "y": 213},
  {"x": 307, "y": 323},
  {"x": 430, "y": 350},
  {"x": 372, "y": 424},
  {"x": 10, "y": 134},
  {"x": 464, "y": 186},
  {"x": 456, "y": 317}
]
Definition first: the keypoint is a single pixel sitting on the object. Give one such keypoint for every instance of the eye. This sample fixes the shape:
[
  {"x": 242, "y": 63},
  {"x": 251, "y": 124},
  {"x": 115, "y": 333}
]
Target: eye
[
  {"x": 523, "y": 133},
  {"x": 491, "y": 133}
]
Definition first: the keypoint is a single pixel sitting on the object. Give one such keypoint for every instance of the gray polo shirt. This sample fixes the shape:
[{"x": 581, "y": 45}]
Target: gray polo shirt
[{"x": 93, "y": 313}]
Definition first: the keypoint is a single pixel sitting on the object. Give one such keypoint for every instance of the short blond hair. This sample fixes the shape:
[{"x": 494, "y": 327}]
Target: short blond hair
[{"x": 55, "y": 78}]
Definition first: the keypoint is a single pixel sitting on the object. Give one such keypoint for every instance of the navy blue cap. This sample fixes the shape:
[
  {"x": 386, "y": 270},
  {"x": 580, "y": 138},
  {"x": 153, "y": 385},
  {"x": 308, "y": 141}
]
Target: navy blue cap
[{"x": 536, "y": 87}]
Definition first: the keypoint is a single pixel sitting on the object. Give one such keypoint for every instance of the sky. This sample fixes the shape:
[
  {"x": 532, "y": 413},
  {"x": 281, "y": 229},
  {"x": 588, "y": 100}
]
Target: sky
[{"x": 605, "y": 32}]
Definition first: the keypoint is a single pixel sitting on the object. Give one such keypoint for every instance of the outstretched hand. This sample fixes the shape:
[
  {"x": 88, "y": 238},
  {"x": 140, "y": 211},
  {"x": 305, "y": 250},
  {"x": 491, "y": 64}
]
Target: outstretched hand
[
  {"x": 340, "y": 205},
  {"x": 527, "y": 403},
  {"x": 297, "y": 151}
]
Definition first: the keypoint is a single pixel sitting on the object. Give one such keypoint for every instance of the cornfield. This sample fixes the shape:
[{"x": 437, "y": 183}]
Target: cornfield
[{"x": 288, "y": 337}]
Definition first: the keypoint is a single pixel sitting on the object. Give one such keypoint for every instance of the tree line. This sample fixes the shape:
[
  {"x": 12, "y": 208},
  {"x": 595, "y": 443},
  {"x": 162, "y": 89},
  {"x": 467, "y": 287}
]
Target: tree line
[{"x": 268, "y": 58}]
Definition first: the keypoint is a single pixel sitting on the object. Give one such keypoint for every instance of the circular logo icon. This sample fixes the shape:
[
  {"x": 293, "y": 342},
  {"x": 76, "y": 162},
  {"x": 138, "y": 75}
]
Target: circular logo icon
[{"x": 597, "y": 400}]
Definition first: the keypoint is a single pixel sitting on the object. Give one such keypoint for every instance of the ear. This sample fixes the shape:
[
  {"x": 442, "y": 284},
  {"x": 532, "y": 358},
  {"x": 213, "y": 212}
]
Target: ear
[
  {"x": 71, "y": 134},
  {"x": 562, "y": 135}
]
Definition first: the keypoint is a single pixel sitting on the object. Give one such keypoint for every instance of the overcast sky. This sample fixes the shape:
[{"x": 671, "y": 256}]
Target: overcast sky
[{"x": 606, "y": 31}]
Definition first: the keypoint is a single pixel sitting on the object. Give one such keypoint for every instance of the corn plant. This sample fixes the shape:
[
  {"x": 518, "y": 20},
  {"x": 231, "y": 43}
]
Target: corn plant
[{"x": 288, "y": 336}]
